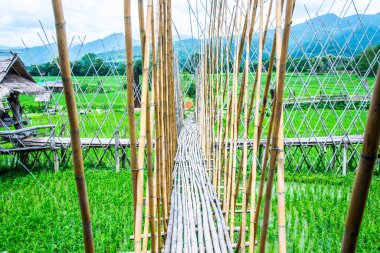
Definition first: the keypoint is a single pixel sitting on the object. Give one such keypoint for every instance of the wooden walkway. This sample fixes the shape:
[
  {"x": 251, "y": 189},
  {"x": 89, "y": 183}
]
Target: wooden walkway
[
  {"x": 196, "y": 222},
  {"x": 62, "y": 142},
  {"x": 296, "y": 101},
  {"x": 308, "y": 141}
]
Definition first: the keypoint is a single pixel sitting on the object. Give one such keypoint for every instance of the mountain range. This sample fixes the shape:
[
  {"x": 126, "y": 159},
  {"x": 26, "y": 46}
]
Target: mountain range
[{"x": 325, "y": 34}]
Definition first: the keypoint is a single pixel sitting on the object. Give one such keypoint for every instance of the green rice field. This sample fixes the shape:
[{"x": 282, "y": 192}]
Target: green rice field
[
  {"x": 48, "y": 219},
  {"x": 39, "y": 209}
]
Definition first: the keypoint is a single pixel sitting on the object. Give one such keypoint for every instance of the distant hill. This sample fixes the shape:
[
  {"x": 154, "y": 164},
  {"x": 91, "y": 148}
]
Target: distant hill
[
  {"x": 339, "y": 36},
  {"x": 326, "y": 34}
]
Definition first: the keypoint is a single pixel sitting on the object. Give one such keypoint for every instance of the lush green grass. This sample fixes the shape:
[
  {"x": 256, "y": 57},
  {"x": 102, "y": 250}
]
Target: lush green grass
[
  {"x": 108, "y": 107},
  {"x": 32, "y": 221},
  {"x": 96, "y": 124},
  {"x": 316, "y": 208},
  {"x": 305, "y": 85}
]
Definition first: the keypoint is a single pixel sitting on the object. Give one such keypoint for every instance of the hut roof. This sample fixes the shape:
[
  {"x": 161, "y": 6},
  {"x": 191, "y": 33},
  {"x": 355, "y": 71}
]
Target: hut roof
[{"x": 15, "y": 78}]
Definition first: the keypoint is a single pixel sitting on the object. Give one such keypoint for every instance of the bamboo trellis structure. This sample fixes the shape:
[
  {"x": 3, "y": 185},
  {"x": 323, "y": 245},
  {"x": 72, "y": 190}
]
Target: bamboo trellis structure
[{"x": 201, "y": 176}]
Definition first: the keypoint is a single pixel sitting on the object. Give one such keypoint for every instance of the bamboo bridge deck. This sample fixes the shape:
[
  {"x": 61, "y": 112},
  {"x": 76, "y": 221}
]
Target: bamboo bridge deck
[{"x": 196, "y": 222}]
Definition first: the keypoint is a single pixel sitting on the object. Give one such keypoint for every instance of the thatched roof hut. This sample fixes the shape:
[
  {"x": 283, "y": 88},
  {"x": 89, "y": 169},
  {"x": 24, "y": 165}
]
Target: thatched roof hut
[{"x": 14, "y": 78}]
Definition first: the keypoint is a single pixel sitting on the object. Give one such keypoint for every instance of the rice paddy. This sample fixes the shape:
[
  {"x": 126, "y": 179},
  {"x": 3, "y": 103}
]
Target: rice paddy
[{"x": 48, "y": 220}]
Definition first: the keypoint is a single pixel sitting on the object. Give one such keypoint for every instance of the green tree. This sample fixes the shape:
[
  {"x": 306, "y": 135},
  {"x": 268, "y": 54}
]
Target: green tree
[{"x": 368, "y": 60}]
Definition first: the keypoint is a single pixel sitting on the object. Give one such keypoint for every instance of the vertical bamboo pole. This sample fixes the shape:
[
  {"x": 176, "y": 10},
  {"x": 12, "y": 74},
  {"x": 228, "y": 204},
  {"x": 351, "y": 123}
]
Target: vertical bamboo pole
[
  {"x": 278, "y": 109},
  {"x": 364, "y": 172},
  {"x": 142, "y": 140},
  {"x": 172, "y": 113},
  {"x": 281, "y": 191},
  {"x": 155, "y": 179},
  {"x": 64, "y": 62},
  {"x": 231, "y": 168},
  {"x": 240, "y": 99},
  {"x": 256, "y": 130},
  {"x": 261, "y": 120},
  {"x": 141, "y": 25},
  {"x": 163, "y": 110},
  {"x": 130, "y": 94},
  {"x": 242, "y": 232}
]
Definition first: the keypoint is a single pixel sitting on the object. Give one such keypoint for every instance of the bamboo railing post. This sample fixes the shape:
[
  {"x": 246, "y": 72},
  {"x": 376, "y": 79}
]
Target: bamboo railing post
[
  {"x": 281, "y": 192},
  {"x": 278, "y": 109},
  {"x": 242, "y": 232},
  {"x": 256, "y": 131},
  {"x": 64, "y": 62},
  {"x": 364, "y": 172},
  {"x": 145, "y": 114},
  {"x": 155, "y": 179},
  {"x": 130, "y": 95}
]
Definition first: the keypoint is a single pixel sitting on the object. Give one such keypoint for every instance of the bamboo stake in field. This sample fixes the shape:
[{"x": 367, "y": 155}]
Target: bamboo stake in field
[
  {"x": 364, "y": 172},
  {"x": 64, "y": 62},
  {"x": 130, "y": 95}
]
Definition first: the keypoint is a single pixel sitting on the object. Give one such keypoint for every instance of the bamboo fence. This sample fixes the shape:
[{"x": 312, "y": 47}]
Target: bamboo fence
[{"x": 195, "y": 189}]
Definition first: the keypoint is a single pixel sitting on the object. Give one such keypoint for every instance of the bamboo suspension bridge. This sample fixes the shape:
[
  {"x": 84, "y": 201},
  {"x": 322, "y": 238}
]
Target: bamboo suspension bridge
[{"x": 204, "y": 181}]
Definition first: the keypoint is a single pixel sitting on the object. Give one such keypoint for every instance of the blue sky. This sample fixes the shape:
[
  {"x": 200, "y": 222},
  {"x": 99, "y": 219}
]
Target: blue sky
[{"x": 98, "y": 18}]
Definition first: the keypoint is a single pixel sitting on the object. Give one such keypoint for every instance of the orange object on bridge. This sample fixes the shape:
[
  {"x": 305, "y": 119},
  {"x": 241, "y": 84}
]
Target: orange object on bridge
[{"x": 188, "y": 104}]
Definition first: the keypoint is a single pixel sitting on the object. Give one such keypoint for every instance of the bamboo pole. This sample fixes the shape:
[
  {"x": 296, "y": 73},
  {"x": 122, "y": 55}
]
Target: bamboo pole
[
  {"x": 256, "y": 130},
  {"x": 130, "y": 95},
  {"x": 264, "y": 166},
  {"x": 163, "y": 110},
  {"x": 278, "y": 109},
  {"x": 143, "y": 138},
  {"x": 364, "y": 172},
  {"x": 141, "y": 25},
  {"x": 240, "y": 100},
  {"x": 242, "y": 232},
  {"x": 261, "y": 120},
  {"x": 157, "y": 113},
  {"x": 281, "y": 192},
  {"x": 231, "y": 167},
  {"x": 64, "y": 62},
  {"x": 155, "y": 237}
]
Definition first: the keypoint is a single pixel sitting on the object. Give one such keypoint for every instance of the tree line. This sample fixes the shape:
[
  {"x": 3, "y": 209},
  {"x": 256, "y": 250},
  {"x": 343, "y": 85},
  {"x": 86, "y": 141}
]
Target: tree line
[
  {"x": 366, "y": 62},
  {"x": 88, "y": 65}
]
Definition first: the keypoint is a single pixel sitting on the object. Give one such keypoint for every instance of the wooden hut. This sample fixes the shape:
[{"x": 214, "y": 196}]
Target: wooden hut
[{"x": 15, "y": 80}]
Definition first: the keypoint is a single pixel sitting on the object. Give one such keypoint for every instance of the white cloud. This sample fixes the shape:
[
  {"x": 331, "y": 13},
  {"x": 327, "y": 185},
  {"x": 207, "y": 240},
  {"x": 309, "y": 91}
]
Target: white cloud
[{"x": 98, "y": 18}]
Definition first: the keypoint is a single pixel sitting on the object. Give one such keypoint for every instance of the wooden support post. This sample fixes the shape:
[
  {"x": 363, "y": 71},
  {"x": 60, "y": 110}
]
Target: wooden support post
[
  {"x": 63, "y": 150},
  {"x": 333, "y": 159},
  {"x": 64, "y": 62},
  {"x": 124, "y": 155},
  {"x": 56, "y": 160},
  {"x": 55, "y": 152},
  {"x": 117, "y": 143},
  {"x": 344, "y": 170}
]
